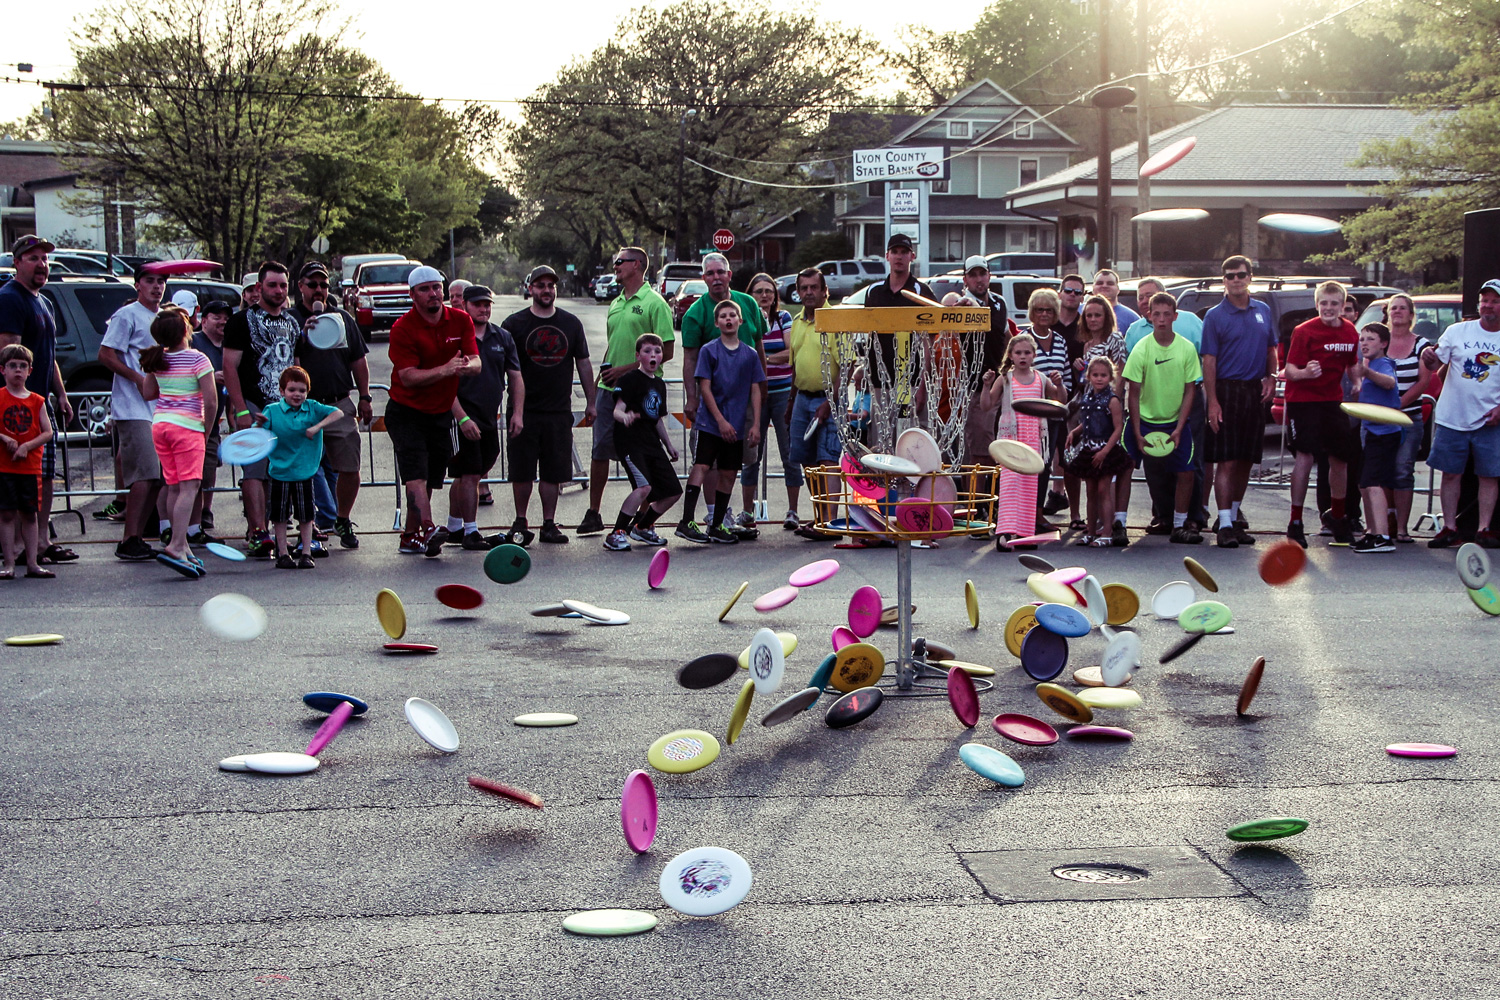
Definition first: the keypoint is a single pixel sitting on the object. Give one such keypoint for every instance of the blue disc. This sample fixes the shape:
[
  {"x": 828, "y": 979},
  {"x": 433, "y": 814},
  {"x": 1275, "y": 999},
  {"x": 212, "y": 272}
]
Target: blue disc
[
  {"x": 1064, "y": 620},
  {"x": 327, "y": 701},
  {"x": 1043, "y": 654},
  {"x": 987, "y": 762},
  {"x": 823, "y": 674}
]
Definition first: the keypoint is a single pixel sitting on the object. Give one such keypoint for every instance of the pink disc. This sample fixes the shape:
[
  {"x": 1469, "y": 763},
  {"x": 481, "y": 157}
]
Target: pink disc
[
  {"x": 1050, "y": 536},
  {"x": 963, "y": 697},
  {"x": 1420, "y": 750},
  {"x": 1068, "y": 575},
  {"x": 864, "y": 611},
  {"x": 1101, "y": 733},
  {"x": 778, "y": 598},
  {"x": 1024, "y": 729},
  {"x": 638, "y": 811},
  {"x": 657, "y": 571},
  {"x": 814, "y": 573},
  {"x": 1168, "y": 156},
  {"x": 864, "y": 486},
  {"x": 917, "y": 515},
  {"x": 843, "y": 637},
  {"x": 330, "y": 727}
]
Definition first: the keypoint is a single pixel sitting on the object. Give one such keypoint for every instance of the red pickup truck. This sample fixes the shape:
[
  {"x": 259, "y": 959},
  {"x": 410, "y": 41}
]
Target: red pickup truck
[{"x": 378, "y": 294}]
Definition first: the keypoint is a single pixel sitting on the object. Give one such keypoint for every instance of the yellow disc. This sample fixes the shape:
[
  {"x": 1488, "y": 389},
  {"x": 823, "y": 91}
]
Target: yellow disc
[
  {"x": 35, "y": 639},
  {"x": 1486, "y": 599},
  {"x": 1094, "y": 677},
  {"x": 1203, "y": 576},
  {"x": 391, "y": 612},
  {"x": 972, "y": 669},
  {"x": 1051, "y": 591},
  {"x": 1021, "y": 621},
  {"x": 788, "y": 647},
  {"x": 737, "y": 595},
  {"x": 1121, "y": 603},
  {"x": 858, "y": 665},
  {"x": 971, "y": 601},
  {"x": 1108, "y": 697},
  {"x": 741, "y": 711},
  {"x": 1064, "y": 703},
  {"x": 683, "y": 751}
]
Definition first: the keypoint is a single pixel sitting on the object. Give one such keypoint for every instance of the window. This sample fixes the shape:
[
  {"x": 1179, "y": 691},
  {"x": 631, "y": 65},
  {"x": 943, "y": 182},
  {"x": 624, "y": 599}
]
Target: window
[
  {"x": 875, "y": 268},
  {"x": 1021, "y": 130},
  {"x": 1028, "y": 170},
  {"x": 959, "y": 130},
  {"x": 849, "y": 267},
  {"x": 939, "y": 187},
  {"x": 875, "y": 189}
]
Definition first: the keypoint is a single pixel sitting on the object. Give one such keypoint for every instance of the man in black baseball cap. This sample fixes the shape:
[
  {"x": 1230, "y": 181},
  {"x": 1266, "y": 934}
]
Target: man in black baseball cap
[{"x": 540, "y": 271}]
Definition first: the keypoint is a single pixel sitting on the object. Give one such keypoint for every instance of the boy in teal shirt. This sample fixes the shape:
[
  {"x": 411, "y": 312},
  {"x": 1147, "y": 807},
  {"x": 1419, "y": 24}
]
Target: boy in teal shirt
[{"x": 298, "y": 424}]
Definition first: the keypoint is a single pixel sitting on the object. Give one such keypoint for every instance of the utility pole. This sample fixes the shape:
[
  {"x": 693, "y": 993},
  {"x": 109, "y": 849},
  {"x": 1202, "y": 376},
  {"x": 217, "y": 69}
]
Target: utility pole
[
  {"x": 1105, "y": 170},
  {"x": 1143, "y": 137}
]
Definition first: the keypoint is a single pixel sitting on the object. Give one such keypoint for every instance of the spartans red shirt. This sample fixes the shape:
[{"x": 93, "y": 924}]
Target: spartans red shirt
[
  {"x": 1335, "y": 348},
  {"x": 416, "y": 343}
]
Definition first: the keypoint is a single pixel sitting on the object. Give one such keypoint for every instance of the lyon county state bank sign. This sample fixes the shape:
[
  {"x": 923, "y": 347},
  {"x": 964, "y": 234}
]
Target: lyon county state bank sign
[{"x": 901, "y": 163}]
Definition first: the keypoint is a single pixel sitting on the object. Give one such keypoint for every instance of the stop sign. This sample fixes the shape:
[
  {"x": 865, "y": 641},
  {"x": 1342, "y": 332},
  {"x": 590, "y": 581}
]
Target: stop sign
[{"x": 723, "y": 241}]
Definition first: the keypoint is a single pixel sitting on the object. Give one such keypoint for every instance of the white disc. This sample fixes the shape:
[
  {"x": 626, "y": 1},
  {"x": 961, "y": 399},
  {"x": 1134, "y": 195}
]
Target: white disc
[
  {"x": 767, "y": 661},
  {"x": 1120, "y": 658},
  {"x": 705, "y": 881},
  {"x": 280, "y": 763},
  {"x": 233, "y": 616}
]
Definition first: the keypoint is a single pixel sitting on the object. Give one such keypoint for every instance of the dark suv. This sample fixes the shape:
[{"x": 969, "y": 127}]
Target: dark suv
[{"x": 1292, "y": 300}]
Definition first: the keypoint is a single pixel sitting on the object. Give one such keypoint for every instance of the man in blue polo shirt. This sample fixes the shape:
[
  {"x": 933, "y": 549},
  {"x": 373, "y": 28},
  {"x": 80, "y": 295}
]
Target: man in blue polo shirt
[{"x": 1239, "y": 365}]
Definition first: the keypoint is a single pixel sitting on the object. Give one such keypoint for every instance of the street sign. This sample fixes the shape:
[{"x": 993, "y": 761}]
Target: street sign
[
  {"x": 901, "y": 163},
  {"x": 571, "y": 268},
  {"x": 903, "y": 201},
  {"x": 723, "y": 241}
]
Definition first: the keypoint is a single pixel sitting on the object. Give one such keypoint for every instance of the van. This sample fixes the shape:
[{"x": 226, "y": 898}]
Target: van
[{"x": 1022, "y": 263}]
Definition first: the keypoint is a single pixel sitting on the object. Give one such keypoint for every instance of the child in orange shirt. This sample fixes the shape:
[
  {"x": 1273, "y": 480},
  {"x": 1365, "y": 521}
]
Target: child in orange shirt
[{"x": 24, "y": 429}]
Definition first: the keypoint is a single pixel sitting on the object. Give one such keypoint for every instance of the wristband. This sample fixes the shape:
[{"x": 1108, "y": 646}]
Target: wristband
[
  {"x": 366, "y": 399},
  {"x": 243, "y": 413},
  {"x": 463, "y": 420}
]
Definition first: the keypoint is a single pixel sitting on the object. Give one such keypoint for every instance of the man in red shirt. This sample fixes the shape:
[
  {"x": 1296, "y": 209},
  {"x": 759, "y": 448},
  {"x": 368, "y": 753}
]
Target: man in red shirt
[
  {"x": 1320, "y": 351},
  {"x": 431, "y": 347}
]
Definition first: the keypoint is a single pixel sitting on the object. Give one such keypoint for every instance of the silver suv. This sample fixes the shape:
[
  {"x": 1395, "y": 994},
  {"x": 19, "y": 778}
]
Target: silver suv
[{"x": 844, "y": 277}]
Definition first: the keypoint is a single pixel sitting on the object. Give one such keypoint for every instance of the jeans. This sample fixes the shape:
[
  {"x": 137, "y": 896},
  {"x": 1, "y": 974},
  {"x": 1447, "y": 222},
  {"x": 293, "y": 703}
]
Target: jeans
[
  {"x": 325, "y": 481},
  {"x": 1406, "y": 455},
  {"x": 824, "y": 448},
  {"x": 773, "y": 413}
]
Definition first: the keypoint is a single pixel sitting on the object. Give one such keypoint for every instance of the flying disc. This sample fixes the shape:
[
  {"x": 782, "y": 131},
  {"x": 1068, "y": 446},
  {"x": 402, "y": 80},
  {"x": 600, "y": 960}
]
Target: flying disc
[
  {"x": 656, "y": 572},
  {"x": 638, "y": 811},
  {"x": 34, "y": 639},
  {"x": 1473, "y": 565},
  {"x": 545, "y": 720},
  {"x": 706, "y": 671},
  {"x": 281, "y": 763},
  {"x": 778, "y": 598},
  {"x": 233, "y": 616},
  {"x": 1282, "y": 562},
  {"x": 971, "y": 603},
  {"x": 739, "y": 592},
  {"x": 431, "y": 724},
  {"x": 822, "y": 675},
  {"x": 558, "y": 610},
  {"x": 813, "y": 426},
  {"x": 391, "y": 612},
  {"x": 792, "y": 705},
  {"x": 1376, "y": 414},
  {"x": 682, "y": 751},
  {"x": 972, "y": 669},
  {"x": 891, "y": 612},
  {"x": 767, "y": 661},
  {"x": 172, "y": 268},
  {"x": 1099, "y": 733},
  {"x": 1197, "y": 571},
  {"x": 1110, "y": 697},
  {"x": 788, "y": 647},
  {"x": 841, "y": 637},
  {"x": 1017, "y": 456},
  {"x": 740, "y": 712},
  {"x": 1164, "y": 158},
  {"x": 1181, "y": 646},
  {"x": 609, "y": 923},
  {"x": 864, "y": 611},
  {"x": 1042, "y": 539},
  {"x": 1044, "y": 654},
  {"x": 865, "y": 486},
  {"x": 1158, "y": 443},
  {"x": 507, "y": 563},
  {"x": 247, "y": 447},
  {"x": 1021, "y": 621},
  {"x": 1250, "y": 685},
  {"x": 327, "y": 701},
  {"x": 1122, "y": 603},
  {"x": 1063, "y": 702},
  {"x": 1420, "y": 750},
  {"x": 919, "y": 448},
  {"x": 705, "y": 881},
  {"x": 1064, "y": 619},
  {"x": 963, "y": 698},
  {"x": 1204, "y": 616},
  {"x": 1024, "y": 729},
  {"x": 1035, "y": 564},
  {"x": 919, "y": 516},
  {"x": 1172, "y": 599},
  {"x": 409, "y": 647},
  {"x": 813, "y": 573},
  {"x": 505, "y": 791},
  {"x": 1171, "y": 215},
  {"x": 987, "y": 762},
  {"x": 1121, "y": 657},
  {"x": 1307, "y": 225},
  {"x": 1068, "y": 575},
  {"x": 1095, "y": 604},
  {"x": 853, "y": 708},
  {"x": 1486, "y": 599},
  {"x": 1044, "y": 409},
  {"x": 225, "y": 551},
  {"x": 459, "y": 595},
  {"x": 1270, "y": 828},
  {"x": 1050, "y": 591},
  {"x": 594, "y": 613},
  {"x": 857, "y": 665},
  {"x": 892, "y": 465}
]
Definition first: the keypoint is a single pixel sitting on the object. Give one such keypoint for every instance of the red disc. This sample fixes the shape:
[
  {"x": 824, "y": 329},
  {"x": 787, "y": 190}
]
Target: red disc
[
  {"x": 500, "y": 788},
  {"x": 460, "y": 596},
  {"x": 1282, "y": 562},
  {"x": 410, "y": 647}
]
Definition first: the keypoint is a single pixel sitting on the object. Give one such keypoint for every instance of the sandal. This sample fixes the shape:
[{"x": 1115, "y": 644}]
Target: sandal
[
  {"x": 1085, "y": 540},
  {"x": 1405, "y": 539},
  {"x": 7, "y": 574},
  {"x": 1100, "y": 542},
  {"x": 1077, "y": 524},
  {"x": 54, "y": 554},
  {"x": 41, "y": 574}
]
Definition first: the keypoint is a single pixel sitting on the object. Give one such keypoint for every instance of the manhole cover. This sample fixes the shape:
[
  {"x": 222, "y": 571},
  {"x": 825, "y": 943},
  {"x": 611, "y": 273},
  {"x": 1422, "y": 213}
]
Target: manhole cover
[{"x": 1100, "y": 873}]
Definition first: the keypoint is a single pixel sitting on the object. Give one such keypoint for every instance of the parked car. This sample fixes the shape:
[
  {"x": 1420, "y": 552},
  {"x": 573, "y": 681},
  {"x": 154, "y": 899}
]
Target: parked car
[
  {"x": 1293, "y": 300},
  {"x": 1435, "y": 313},
  {"x": 378, "y": 294},
  {"x": 687, "y": 294},
  {"x": 1129, "y": 298},
  {"x": 844, "y": 278},
  {"x": 112, "y": 264},
  {"x": 1022, "y": 263},
  {"x": 8, "y": 265},
  {"x": 1014, "y": 289},
  {"x": 674, "y": 274},
  {"x": 607, "y": 287},
  {"x": 349, "y": 264}
]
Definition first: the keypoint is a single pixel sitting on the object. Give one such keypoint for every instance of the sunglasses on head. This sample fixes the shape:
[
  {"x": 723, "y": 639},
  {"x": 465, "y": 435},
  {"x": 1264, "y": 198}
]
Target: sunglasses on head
[{"x": 1235, "y": 275}]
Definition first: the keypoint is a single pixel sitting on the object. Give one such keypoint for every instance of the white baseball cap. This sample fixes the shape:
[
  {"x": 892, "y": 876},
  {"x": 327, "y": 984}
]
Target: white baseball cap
[
  {"x": 422, "y": 275},
  {"x": 975, "y": 261},
  {"x": 186, "y": 300}
]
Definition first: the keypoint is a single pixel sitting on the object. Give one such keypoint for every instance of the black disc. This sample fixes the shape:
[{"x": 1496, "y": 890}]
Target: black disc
[
  {"x": 1184, "y": 644},
  {"x": 707, "y": 670},
  {"x": 854, "y": 707}
]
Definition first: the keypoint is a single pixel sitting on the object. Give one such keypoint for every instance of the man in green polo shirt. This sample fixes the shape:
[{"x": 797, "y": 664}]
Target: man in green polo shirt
[{"x": 637, "y": 310}]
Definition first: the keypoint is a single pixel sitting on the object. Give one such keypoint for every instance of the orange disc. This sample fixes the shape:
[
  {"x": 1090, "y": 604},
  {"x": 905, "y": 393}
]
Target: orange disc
[{"x": 1282, "y": 562}]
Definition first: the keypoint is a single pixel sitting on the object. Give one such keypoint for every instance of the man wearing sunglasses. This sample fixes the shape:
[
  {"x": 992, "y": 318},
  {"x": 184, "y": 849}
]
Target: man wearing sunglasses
[{"x": 638, "y": 309}]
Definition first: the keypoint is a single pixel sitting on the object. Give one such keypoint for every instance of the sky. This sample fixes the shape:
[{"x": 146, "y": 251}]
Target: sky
[{"x": 435, "y": 54}]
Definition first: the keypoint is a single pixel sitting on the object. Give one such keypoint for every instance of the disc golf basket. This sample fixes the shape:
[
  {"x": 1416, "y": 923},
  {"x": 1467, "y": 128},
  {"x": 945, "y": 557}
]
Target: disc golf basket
[{"x": 890, "y": 370}]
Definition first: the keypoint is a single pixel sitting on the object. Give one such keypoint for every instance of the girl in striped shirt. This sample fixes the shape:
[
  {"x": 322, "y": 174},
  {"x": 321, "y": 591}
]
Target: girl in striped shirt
[{"x": 181, "y": 380}]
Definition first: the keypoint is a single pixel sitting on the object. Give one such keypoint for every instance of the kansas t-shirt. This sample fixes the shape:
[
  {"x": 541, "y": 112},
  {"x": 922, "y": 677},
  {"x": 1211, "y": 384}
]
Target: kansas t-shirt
[
  {"x": 646, "y": 395},
  {"x": 548, "y": 351},
  {"x": 1472, "y": 386},
  {"x": 1335, "y": 348}
]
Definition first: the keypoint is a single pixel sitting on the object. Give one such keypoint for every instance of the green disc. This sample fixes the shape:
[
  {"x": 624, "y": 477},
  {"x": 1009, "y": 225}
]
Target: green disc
[
  {"x": 609, "y": 923},
  {"x": 507, "y": 563},
  {"x": 1204, "y": 616},
  {"x": 1487, "y": 599},
  {"x": 1270, "y": 828}
]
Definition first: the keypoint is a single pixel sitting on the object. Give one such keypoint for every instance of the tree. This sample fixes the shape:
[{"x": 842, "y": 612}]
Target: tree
[{"x": 820, "y": 247}]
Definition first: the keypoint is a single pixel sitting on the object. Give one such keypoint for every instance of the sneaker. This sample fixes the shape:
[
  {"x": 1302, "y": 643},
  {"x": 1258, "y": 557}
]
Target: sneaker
[
  {"x": 791, "y": 522},
  {"x": 1158, "y": 528},
  {"x": 344, "y": 528},
  {"x": 305, "y": 562},
  {"x": 433, "y": 538},
  {"x": 646, "y": 536},
  {"x": 258, "y": 544},
  {"x": 475, "y": 542},
  {"x": 1055, "y": 502},
  {"x": 1446, "y": 538},
  {"x": 1118, "y": 538},
  {"x": 1343, "y": 532},
  {"x": 1227, "y": 539},
  {"x": 112, "y": 511},
  {"x": 412, "y": 543},
  {"x": 742, "y": 533},
  {"x": 1357, "y": 525},
  {"x": 745, "y": 519},
  {"x": 552, "y": 535},
  {"x": 1296, "y": 533},
  {"x": 521, "y": 535},
  {"x": 1373, "y": 543},
  {"x": 1326, "y": 521},
  {"x": 810, "y": 532},
  {"x": 722, "y": 535},
  {"x": 202, "y": 537},
  {"x": 206, "y": 522},
  {"x": 692, "y": 532},
  {"x": 1487, "y": 539},
  {"x": 617, "y": 541},
  {"x": 285, "y": 561},
  {"x": 1242, "y": 533},
  {"x": 591, "y": 524},
  {"x": 135, "y": 549},
  {"x": 1186, "y": 535}
]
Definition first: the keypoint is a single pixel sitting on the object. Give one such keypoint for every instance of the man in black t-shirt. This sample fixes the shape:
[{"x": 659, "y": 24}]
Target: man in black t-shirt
[
  {"x": 476, "y": 409},
  {"x": 899, "y": 254},
  {"x": 546, "y": 338}
]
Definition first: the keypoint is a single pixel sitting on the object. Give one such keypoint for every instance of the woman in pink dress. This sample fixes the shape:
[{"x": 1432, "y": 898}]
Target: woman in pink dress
[{"x": 1019, "y": 511}]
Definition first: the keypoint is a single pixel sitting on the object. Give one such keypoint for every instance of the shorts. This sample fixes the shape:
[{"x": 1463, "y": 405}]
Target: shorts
[
  {"x": 180, "y": 451},
  {"x": 650, "y": 467},
  {"x": 1182, "y": 459},
  {"x": 20, "y": 491},
  {"x": 290, "y": 501},
  {"x": 1380, "y": 459},
  {"x": 211, "y": 444},
  {"x": 341, "y": 440},
  {"x": 1320, "y": 428},
  {"x": 544, "y": 445},
  {"x": 1452, "y": 449},
  {"x": 423, "y": 443},
  {"x": 1116, "y": 462},
  {"x": 1242, "y": 429},
  {"x": 604, "y": 425},
  {"x": 824, "y": 448},
  {"x": 137, "y": 450},
  {"x": 716, "y": 453},
  {"x": 476, "y": 458}
]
